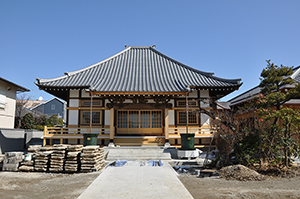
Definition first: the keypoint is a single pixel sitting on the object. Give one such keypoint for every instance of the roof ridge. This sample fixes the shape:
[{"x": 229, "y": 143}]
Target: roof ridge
[{"x": 128, "y": 46}]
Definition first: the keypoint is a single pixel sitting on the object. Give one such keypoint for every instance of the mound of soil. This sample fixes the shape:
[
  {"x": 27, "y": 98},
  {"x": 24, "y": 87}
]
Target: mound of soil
[
  {"x": 282, "y": 172},
  {"x": 240, "y": 172}
]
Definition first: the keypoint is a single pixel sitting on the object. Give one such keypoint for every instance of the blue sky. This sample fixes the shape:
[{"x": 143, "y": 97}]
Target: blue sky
[{"x": 44, "y": 39}]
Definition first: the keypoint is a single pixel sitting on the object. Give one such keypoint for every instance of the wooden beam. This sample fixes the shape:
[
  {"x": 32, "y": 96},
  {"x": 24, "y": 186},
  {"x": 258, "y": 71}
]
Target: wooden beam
[
  {"x": 112, "y": 128},
  {"x": 166, "y": 124}
]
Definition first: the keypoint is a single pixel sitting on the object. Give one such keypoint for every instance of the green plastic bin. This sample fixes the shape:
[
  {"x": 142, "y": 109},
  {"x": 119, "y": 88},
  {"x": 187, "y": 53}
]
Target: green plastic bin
[
  {"x": 187, "y": 141},
  {"x": 90, "y": 139}
]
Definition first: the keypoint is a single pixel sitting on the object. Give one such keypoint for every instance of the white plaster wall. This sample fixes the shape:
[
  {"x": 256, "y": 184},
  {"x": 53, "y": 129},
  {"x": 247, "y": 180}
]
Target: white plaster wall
[
  {"x": 172, "y": 102},
  {"x": 127, "y": 101},
  {"x": 151, "y": 101},
  {"x": 204, "y": 93},
  {"x": 73, "y": 117},
  {"x": 171, "y": 117},
  {"x": 107, "y": 117},
  {"x": 205, "y": 119},
  {"x": 84, "y": 94},
  {"x": 204, "y": 103},
  {"x": 193, "y": 94},
  {"x": 74, "y": 93},
  {"x": 73, "y": 103}
]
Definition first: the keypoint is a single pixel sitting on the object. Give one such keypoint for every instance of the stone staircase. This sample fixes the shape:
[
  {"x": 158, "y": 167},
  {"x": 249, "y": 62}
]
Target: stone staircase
[{"x": 137, "y": 153}]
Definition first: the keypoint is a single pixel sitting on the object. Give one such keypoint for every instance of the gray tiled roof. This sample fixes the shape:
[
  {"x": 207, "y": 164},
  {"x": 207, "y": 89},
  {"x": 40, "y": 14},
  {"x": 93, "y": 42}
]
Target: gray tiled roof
[
  {"x": 138, "y": 69},
  {"x": 256, "y": 90}
]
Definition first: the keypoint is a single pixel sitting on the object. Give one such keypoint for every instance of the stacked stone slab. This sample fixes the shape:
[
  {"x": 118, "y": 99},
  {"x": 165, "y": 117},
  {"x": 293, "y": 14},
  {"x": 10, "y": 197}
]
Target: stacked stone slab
[
  {"x": 41, "y": 158},
  {"x": 58, "y": 157},
  {"x": 12, "y": 160},
  {"x": 73, "y": 158},
  {"x": 27, "y": 164},
  {"x": 92, "y": 158},
  {"x": 1, "y": 161}
]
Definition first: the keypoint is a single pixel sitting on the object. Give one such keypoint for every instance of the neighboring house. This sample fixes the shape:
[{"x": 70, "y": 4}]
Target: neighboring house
[
  {"x": 8, "y": 92},
  {"x": 138, "y": 98},
  {"x": 253, "y": 92},
  {"x": 55, "y": 106},
  {"x": 32, "y": 103}
]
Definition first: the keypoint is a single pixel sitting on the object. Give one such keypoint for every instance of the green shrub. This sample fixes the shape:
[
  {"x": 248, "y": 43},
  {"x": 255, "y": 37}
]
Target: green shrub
[{"x": 27, "y": 121}]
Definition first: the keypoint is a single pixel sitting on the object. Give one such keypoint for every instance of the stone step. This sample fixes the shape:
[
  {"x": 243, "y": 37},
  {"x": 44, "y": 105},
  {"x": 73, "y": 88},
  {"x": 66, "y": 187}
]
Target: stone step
[{"x": 137, "y": 153}]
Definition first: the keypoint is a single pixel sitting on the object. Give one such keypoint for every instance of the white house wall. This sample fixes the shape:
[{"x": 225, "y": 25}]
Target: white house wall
[{"x": 7, "y": 112}]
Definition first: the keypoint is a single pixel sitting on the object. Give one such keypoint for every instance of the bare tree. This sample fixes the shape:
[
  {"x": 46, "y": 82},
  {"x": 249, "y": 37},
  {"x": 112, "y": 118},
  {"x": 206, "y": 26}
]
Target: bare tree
[{"x": 22, "y": 100}]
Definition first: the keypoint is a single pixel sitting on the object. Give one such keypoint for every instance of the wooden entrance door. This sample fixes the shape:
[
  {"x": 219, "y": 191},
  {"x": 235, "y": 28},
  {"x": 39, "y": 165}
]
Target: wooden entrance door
[{"x": 142, "y": 122}]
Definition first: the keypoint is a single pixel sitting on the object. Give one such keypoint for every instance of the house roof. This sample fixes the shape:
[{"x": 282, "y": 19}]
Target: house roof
[
  {"x": 138, "y": 69},
  {"x": 19, "y": 88},
  {"x": 249, "y": 94},
  {"x": 45, "y": 102}
]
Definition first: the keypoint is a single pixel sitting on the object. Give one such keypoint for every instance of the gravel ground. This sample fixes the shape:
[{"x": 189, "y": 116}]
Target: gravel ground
[
  {"x": 45, "y": 185},
  {"x": 222, "y": 188}
]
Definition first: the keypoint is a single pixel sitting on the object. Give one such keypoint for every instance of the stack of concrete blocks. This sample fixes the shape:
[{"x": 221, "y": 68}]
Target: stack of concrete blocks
[
  {"x": 1, "y": 161},
  {"x": 12, "y": 161},
  {"x": 58, "y": 157},
  {"x": 92, "y": 158},
  {"x": 41, "y": 158},
  {"x": 73, "y": 158},
  {"x": 27, "y": 164}
]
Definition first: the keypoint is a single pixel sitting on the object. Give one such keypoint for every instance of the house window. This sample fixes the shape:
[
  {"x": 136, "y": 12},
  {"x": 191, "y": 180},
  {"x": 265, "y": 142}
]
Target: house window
[
  {"x": 182, "y": 103},
  {"x": 181, "y": 117},
  {"x": 88, "y": 103},
  {"x": 96, "y": 117},
  {"x": 53, "y": 107}
]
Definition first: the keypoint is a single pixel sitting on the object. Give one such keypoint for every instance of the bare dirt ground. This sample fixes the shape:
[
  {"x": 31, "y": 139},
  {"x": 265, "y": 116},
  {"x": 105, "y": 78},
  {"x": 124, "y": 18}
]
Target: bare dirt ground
[
  {"x": 44, "y": 185},
  {"x": 48, "y": 185},
  {"x": 222, "y": 188}
]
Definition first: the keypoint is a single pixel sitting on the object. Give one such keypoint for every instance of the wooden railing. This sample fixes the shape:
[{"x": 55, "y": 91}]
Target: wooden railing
[
  {"x": 51, "y": 133},
  {"x": 73, "y": 131},
  {"x": 174, "y": 132}
]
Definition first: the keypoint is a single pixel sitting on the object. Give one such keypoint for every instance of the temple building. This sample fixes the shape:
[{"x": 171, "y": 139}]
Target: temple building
[{"x": 136, "y": 97}]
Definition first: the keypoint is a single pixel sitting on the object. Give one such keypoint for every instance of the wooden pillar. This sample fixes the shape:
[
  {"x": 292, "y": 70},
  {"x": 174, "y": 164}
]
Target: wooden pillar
[
  {"x": 167, "y": 143},
  {"x": 112, "y": 128},
  {"x": 91, "y": 111}
]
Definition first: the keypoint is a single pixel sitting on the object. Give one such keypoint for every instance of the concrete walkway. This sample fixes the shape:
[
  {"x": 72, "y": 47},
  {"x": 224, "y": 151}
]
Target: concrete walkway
[{"x": 135, "y": 181}]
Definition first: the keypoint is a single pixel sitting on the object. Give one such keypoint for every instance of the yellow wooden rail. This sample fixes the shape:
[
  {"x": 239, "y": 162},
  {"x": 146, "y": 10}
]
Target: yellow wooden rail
[
  {"x": 174, "y": 132},
  {"x": 73, "y": 133}
]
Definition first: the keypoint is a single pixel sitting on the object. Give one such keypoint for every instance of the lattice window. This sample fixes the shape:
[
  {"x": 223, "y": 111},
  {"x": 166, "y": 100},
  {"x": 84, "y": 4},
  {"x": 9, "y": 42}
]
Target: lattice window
[
  {"x": 96, "y": 117},
  {"x": 122, "y": 119},
  {"x": 145, "y": 119},
  {"x": 181, "y": 117},
  {"x": 133, "y": 119},
  {"x": 88, "y": 102},
  {"x": 139, "y": 119},
  {"x": 182, "y": 103},
  {"x": 156, "y": 119}
]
